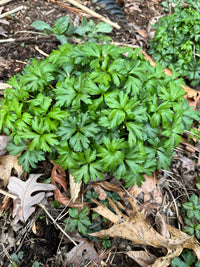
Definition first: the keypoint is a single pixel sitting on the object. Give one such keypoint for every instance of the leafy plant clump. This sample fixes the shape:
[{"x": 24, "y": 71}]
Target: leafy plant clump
[
  {"x": 191, "y": 215},
  {"x": 87, "y": 31},
  {"x": 177, "y": 43},
  {"x": 95, "y": 109}
]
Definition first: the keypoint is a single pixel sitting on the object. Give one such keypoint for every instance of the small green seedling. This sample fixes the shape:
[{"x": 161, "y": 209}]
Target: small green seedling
[
  {"x": 78, "y": 220},
  {"x": 87, "y": 31},
  {"x": 191, "y": 213}
]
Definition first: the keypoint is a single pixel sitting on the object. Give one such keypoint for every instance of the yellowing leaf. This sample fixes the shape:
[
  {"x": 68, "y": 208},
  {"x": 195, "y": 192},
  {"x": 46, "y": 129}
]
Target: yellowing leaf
[
  {"x": 7, "y": 163},
  {"x": 138, "y": 230}
]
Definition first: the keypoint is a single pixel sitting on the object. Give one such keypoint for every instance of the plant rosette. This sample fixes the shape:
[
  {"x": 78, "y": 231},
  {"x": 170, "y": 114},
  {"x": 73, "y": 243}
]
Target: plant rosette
[{"x": 95, "y": 109}]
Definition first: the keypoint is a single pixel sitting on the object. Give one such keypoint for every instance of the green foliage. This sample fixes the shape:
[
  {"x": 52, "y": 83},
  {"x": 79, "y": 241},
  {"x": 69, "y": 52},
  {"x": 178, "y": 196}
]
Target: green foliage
[
  {"x": 16, "y": 258},
  {"x": 177, "y": 43},
  {"x": 87, "y": 31},
  {"x": 178, "y": 4},
  {"x": 78, "y": 220},
  {"x": 191, "y": 215},
  {"x": 186, "y": 259},
  {"x": 95, "y": 109}
]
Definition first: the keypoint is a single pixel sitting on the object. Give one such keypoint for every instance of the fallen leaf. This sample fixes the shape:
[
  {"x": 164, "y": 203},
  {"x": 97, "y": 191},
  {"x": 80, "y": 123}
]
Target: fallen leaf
[
  {"x": 58, "y": 178},
  {"x": 143, "y": 33},
  {"x": 29, "y": 194},
  {"x": 74, "y": 188},
  {"x": 149, "y": 191},
  {"x": 138, "y": 230},
  {"x": 7, "y": 163},
  {"x": 4, "y": 140},
  {"x": 99, "y": 191},
  {"x": 80, "y": 253},
  {"x": 112, "y": 187},
  {"x": 143, "y": 258}
]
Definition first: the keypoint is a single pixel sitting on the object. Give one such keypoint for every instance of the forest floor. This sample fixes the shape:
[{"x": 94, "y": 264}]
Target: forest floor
[{"x": 40, "y": 239}]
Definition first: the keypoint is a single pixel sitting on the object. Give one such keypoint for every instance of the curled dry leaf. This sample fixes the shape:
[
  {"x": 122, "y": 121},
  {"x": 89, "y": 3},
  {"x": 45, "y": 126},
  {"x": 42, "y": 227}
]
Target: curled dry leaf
[
  {"x": 84, "y": 251},
  {"x": 58, "y": 178},
  {"x": 143, "y": 258},
  {"x": 138, "y": 230},
  {"x": 74, "y": 188},
  {"x": 7, "y": 163},
  {"x": 29, "y": 194},
  {"x": 112, "y": 187}
]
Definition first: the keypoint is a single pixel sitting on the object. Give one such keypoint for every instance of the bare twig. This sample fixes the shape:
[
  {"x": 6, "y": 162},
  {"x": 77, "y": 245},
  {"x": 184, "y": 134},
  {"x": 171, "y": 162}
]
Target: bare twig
[
  {"x": 25, "y": 39},
  {"x": 2, "y": 2},
  {"x": 12, "y": 11},
  {"x": 60, "y": 228},
  {"x": 5, "y": 193},
  {"x": 41, "y": 52},
  {"x": 94, "y": 14}
]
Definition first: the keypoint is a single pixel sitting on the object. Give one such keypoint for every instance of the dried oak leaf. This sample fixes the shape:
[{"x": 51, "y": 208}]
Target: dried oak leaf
[
  {"x": 82, "y": 252},
  {"x": 7, "y": 163},
  {"x": 143, "y": 258},
  {"x": 138, "y": 230},
  {"x": 29, "y": 194}
]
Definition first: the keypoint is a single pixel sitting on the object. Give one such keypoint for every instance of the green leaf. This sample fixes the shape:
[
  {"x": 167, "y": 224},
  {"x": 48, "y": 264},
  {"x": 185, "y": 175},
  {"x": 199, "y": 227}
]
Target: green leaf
[
  {"x": 61, "y": 25},
  {"x": 30, "y": 158},
  {"x": 135, "y": 131},
  {"x": 42, "y": 26},
  {"x": 103, "y": 27}
]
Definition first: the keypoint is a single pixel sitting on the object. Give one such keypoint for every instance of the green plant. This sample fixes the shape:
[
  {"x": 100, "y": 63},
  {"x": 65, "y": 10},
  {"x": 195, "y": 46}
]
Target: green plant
[
  {"x": 96, "y": 109},
  {"x": 78, "y": 220},
  {"x": 191, "y": 215},
  {"x": 177, "y": 43},
  {"x": 63, "y": 29},
  {"x": 16, "y": 258},
  {"x": 186, "y": 259},
  {"x": 178, "y": 4}
]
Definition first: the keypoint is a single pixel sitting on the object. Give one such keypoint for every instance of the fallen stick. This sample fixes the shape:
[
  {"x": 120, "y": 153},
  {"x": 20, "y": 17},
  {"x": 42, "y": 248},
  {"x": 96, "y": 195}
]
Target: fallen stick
[
  {"x": 93, "y": 13},
  {"x": 25, "y": 39},
  {"x": 2, "y": 2},
  {"x": 12, "y": 11}
]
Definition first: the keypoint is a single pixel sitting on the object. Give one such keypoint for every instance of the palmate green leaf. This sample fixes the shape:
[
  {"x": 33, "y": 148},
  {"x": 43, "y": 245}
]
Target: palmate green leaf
[
  {"x": 135, "y": 132},
  {"x": 164, "y": 158},
  {"x": 66, "y": 157},
  {"x": 30, "y": 159},
  {"x": 112, "y": 153},
  {"x": 113, "y": 118},
  {"x": 101, "y": 77},
  {"x": 133, "y": 85},
  {"x": 103, "y": 27},
  {"x": 15, "y": 149}
]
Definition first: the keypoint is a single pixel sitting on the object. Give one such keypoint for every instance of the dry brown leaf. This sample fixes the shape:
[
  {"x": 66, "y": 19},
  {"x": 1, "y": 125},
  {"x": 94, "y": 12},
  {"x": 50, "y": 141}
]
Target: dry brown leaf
[
  {"x": 4, "y": 139},
  {"x": 112, "y": 187},
  {"x": 99, "y": 191},
  {"x": 74, "y": 188},
  {"x": 24, "y": 204},
  {"x": 143, "y": 258},
  {"x": 143, "y": 33},
  {"x": 84, "y": 251},
  {"x": 7, "y": 163},
  {"x": 150, "y": 190},
  {"x": 138, "y": 230},
  {"x": 58, "y": 178}
]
